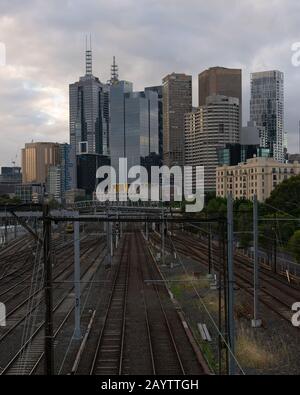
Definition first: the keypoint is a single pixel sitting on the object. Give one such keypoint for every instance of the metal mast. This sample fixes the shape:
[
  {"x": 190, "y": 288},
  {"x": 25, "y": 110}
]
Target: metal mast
[
  {"x": 114, "y": 72},
  {"x": 88, "y": 57}
]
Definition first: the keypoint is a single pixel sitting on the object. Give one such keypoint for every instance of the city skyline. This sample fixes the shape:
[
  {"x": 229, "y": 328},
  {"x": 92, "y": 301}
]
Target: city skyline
[{"x": 149, "y": 43}]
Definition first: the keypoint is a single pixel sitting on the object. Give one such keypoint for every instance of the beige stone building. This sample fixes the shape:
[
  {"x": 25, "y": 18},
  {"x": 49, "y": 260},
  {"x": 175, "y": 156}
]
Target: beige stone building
[
  {"x": 36, "y": 160},
  {"x": 258, "y": 176},
  {"x": 208, "y": 128}
]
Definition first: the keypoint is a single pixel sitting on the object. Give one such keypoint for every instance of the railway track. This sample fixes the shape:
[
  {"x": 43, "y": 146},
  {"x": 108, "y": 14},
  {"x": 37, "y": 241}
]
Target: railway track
[
  {"x": 141, "y": 329},
  {"x": 165, "y": 357},
  {"x": 274, "y": 293},
  {"x": 33, "y": 308},
  {"x": 29, "y": 356},
  {"x": 109, "y": 355},
  {"x": 19, "y": 297}
]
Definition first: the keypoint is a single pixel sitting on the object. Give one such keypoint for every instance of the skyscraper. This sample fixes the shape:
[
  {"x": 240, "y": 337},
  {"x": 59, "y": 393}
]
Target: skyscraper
[
  {"x": 68, "y": 169},
  {"x": 267, "y": 110},
  {"x": 134, "y": 125},
  {"x": 54, "y": 182},
  {"x": 220, "y": 81},
  {"x": 89, "y": 126},
  {"x": 89, "y": 120},
  {"x": 207, "y": 129},
  {"x": 36, "y": 160},
  {"x": 177, "y": 100},
  {"x": 61, "y": 178},
  {"x": 159, "y": 90}
]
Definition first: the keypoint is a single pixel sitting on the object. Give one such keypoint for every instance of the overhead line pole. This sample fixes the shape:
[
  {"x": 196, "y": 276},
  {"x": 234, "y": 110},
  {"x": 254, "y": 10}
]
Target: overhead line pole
[
  {"x": 77, "y": 332},
  {"x": 256, "y": 323},
  {"x": 49, "y": 352},
  {"x": 231, "y": 328}
]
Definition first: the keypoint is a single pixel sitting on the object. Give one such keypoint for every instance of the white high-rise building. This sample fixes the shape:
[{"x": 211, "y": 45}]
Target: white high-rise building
[
  {"x": 208, "y": 128},
  {"x": 267, "y": 110}
]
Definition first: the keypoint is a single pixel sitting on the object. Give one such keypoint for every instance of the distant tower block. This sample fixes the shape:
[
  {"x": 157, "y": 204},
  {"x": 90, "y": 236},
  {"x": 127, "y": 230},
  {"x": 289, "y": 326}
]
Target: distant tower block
[{"x": 114, "y": 72}]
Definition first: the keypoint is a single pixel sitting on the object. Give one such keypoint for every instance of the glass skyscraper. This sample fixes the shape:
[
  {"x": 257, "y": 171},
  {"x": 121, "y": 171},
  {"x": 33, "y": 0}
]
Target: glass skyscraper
[
  {"x": 159, "y": 90},
  {"x": 134, "y": 128},
  {"x": 89, "y": 124},
  {"x": 267, "y": 110},
  {"x": 89, "y": 116},
  {"x": 67, "y": 166}
]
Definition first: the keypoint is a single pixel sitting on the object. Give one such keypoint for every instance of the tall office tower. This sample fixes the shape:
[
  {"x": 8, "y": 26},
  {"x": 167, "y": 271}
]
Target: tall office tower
[
  {"x": 177, "y": 100},
  {"x": 61, "y": 178},
  {"x": 68, "y": 168},
  {"x": 220, "y": 81},
  {"x": 267, "y": 110},
  {"x": 207, "y": 129},
  {"x": 134, "y": 125},
  {"x": 88, "y": 123},
  {"x": 36, "y": 160},
  {"x": 54, "y": 182},
  {"x": 159, "y": 90}
]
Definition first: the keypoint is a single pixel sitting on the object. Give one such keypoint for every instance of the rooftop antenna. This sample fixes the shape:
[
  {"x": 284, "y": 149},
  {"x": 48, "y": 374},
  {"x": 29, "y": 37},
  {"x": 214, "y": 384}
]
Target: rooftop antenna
[
  {"x": 88, "y": 57},
  {"x": 114, "y": 72}
]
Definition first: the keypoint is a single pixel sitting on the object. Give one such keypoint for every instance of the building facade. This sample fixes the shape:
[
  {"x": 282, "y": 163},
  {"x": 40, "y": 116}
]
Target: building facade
[
  {"x": 134, "y": 130},
  {"x": 11, "y": 175},
  {"x": 177, "y": 101},
  {"x": 89, "y": 113},
  {"x": 89, "y": 107},
  {"x": 30, "y": 193},
  {"x": 250, "y": 134},
  {"x": 207, "y": 129},
  {"x": 220, "y": 81},
  {"x": 87, "y": 166},
  {"x": 293, "y": 158},
  {"x": 159, "y": 90},
  {"x": 233, "y": 154},
  {"x": 9, "y": 178},
  {"x": 258, "y": 176},
  {"x": 36, "y": 160},
  {"x": 54, "y": 183},
  {"x": 68, "y": 168},
  {"x": 267, "y": 110},
  {"x": 61, "y": 178}
]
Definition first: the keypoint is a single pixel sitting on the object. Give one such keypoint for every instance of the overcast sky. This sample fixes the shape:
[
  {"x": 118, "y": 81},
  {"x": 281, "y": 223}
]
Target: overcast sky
[{"x": 150, "y": 38}]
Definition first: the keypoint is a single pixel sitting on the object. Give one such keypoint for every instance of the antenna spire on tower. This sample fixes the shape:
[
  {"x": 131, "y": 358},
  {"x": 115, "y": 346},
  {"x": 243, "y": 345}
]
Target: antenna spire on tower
[
  {"x": 88, "y": 57},
  {"x": 114, "y": 72}
]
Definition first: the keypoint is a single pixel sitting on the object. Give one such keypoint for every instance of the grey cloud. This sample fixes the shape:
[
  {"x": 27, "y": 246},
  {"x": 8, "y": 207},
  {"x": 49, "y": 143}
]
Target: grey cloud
[{"x": 150, "y": 38}]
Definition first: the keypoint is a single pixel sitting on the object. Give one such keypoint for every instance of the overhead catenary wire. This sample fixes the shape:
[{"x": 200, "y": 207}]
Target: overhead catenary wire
[{"x": 209, "y": 314}]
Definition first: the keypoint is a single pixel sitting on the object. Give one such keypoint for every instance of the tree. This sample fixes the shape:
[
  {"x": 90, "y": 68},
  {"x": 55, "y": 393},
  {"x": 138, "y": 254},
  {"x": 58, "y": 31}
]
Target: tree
[
  {"x": 294, "y": 245},
  {"x": 5, "y": 199},
  {"x": 217, "y": 207},
  {"x": 286, "y": 196}
]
